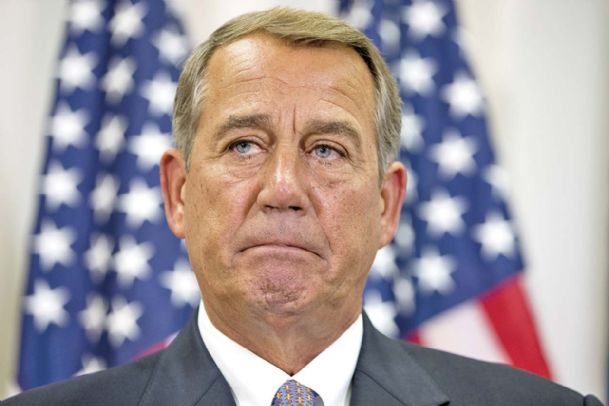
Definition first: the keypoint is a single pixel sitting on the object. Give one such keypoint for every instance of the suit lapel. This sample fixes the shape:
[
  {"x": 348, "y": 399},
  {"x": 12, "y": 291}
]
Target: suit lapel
[
  {"x": 186, "y": 375},
  {"x": 386, "y": 375}
]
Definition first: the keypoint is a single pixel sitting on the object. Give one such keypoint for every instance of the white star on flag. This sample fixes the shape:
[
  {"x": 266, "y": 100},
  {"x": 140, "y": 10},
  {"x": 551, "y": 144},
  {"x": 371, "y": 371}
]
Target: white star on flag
[
  {"x": 390, "y": 35},
  {"x": 496, "y": 236},
  {"x": 85, "y": 15},
  {"x": 99, "y": 256},
  {"x": 104, "y": 197},
  {"x": 411, "y": 185},
  {"x": 404, "y": 237},
  {"x": 91, "y": 364},
  {"x": 463, "y": 96},
  {"x": 110, "y": 137},
  {"x": 182, "y": 283},
  {"x": 149, "y": 146},
  {"x": 411, "y": 133},
  {"x": 443, "y": 213},
  {"x": 76, "y": 70},
  {"x": 498, "y": 179},
  {"x": 433, "y": 272},
  {"x": 405, "y": 294},
  {"x": 416, "y": 73},
  {"x": 93, "y": 317},
  {"x": 46, "y": 305},
  {"x": 384, "y": 262},
  {"x": 172, "y": 46},
  {"x": 141, "y": 203},
  {"x": 122, "y": 321},
  {"x": 59, "y": 185},
  {"x": 127, "y": 22},
  {"x": 118, "y": 80},
  {"x": 382, "y": 313},
  {"x": 424, "y": 18},
  {"x": 359, "y": 14},
  {"x": 131, "y": 261},
  {"x": 462, "y": 38},
  {"x": 455, "y": 154},
  {"x": 52, "y": 244},
  {"x": 68, "y": 127},
  {"x": 159, "y": 92}
]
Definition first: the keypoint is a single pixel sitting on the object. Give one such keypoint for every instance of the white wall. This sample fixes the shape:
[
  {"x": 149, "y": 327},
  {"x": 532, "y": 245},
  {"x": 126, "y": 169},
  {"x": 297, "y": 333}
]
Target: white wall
[
  {"x": 29, "y": 42},
  {"x": 545, "y": 68}
]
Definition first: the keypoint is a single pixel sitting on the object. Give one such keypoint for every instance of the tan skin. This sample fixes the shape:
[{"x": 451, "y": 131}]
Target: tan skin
[{"x": 282, "y": 208}]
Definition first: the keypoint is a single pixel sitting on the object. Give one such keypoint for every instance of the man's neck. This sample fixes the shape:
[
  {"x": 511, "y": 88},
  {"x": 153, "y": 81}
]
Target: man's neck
[{"x": 287, "y": 341}]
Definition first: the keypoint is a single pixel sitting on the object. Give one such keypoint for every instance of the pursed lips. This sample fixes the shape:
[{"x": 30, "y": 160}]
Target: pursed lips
[{"x": 280, "y": 245}]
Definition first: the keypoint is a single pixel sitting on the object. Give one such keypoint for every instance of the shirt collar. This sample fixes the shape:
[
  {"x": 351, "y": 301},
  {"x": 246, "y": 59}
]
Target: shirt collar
[{"x": 254, "y": 381}]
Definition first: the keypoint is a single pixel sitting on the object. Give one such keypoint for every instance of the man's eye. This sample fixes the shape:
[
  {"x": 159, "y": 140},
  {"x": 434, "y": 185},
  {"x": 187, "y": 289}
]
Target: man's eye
[
  {"x": 242, "y": 147},
  {"x": 325, "y": 151}
]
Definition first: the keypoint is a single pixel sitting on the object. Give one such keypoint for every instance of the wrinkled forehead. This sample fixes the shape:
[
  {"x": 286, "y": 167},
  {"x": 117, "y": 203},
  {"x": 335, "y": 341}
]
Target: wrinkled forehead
[
  {"x": 253, "y": 53},
  {"x": 261, "y": 67},
  {"x": 253, "y": 65}
]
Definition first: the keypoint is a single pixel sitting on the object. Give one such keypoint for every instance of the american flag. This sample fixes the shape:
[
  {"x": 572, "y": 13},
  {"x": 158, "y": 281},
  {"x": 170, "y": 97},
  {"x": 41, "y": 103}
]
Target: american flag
[
  {"x": 452, "y": 277},
  {"x": 107, "y": 279}
]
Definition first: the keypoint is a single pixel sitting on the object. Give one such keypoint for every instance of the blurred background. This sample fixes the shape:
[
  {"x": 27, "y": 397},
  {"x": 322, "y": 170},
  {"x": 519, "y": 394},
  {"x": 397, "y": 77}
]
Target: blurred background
[{"x": 544, "y": 68}]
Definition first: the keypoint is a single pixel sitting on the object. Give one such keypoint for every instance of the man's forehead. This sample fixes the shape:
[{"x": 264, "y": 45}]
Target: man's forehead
[
  {"x": 253, "y": 53},
  {"x": 270, "y": 39},
  {"x": 260, "y": 70}
]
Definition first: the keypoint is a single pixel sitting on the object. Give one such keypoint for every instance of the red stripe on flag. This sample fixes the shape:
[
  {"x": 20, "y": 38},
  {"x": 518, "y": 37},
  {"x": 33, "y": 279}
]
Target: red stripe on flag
[
  {"x": 151, "y": 350},
  {"x": 415, "y": 338},
  {"x": 508, "y": 311},
  {"x": 156, "y": 347}
]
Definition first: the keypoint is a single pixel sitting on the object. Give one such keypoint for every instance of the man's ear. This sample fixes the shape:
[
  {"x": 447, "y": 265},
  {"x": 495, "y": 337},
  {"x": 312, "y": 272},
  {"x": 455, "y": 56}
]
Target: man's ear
[
  {"x": 392, "y": 194},
  {"x": 173, "y": 184}
]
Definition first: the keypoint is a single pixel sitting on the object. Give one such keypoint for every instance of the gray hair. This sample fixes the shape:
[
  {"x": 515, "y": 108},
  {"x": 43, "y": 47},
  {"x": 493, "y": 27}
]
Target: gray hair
[{"x": 297, "y": 28}]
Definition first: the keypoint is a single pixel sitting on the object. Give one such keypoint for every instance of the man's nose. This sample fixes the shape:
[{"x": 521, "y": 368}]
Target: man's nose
[{"x": 283, "y": 183}]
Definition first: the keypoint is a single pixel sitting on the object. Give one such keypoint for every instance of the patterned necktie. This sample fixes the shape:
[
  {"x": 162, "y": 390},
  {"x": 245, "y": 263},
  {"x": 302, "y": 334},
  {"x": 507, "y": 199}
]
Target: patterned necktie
[{"x": 293, "y": 393}]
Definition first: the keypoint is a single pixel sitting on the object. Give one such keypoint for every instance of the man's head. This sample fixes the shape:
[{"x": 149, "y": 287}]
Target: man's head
[
  {"x": 277, "y": 191},
  {"x": 297, "y": 28}
]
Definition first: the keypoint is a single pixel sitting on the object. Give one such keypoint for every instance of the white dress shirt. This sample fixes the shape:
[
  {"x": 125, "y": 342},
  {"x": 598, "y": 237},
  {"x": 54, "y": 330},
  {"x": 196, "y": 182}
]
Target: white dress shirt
[{"x": 254, "y": 381}]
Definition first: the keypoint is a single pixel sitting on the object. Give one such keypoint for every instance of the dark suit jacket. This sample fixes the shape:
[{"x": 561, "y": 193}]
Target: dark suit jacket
[{"x": 388, "y": 373}]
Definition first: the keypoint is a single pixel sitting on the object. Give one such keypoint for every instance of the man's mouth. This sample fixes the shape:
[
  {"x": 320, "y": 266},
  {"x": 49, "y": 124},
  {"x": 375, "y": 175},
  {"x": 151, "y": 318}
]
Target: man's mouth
[{"x": 280, "y": 246}]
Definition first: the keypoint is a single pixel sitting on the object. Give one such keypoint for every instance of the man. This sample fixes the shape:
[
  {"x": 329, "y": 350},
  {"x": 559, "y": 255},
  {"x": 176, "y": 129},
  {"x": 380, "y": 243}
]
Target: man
[{"x": 284, "y": 187}]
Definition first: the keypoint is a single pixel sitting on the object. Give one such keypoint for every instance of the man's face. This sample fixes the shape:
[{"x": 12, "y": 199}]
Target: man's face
[{"x": 283, "y": 210}]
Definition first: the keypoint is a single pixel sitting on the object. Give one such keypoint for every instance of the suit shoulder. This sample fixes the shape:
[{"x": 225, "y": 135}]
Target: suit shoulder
[
  {"x": 496, "y": 384},
  {"x": 119, "y": 385}
]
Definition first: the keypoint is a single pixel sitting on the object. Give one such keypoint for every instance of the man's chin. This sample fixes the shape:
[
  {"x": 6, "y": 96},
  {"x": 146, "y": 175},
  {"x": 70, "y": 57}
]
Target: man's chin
[{"x": 281, "y": 294}]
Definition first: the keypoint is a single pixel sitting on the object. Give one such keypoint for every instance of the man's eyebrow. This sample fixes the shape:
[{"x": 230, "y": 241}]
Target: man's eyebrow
[
  {"x": 259, "y": 121},
  {"x": 343, "y": 128}
]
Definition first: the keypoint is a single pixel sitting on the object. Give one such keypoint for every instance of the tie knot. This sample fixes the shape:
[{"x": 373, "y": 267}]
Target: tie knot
[{"x": 293, "y": 393}]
